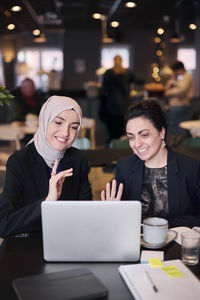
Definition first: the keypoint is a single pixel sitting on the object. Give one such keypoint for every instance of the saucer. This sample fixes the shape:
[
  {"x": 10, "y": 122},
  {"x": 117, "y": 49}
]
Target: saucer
[{"x": 171, "y": 235}]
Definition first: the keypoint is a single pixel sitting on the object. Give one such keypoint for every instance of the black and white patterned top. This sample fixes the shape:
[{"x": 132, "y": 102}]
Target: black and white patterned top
[{"x": 154, "y": 196}]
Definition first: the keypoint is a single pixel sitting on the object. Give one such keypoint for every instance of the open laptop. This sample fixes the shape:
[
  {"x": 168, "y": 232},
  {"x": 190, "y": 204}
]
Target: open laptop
[{"x": 92, "y": 231}]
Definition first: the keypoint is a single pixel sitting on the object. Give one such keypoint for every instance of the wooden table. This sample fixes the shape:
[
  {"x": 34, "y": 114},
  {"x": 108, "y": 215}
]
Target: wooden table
[{"x": 189, "y": 124}]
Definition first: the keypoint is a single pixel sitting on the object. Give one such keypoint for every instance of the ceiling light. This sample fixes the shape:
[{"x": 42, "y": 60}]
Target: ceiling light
[
  {"x": 155, "y": 69},
  {"x": 107, "y": 40},
  {"x": 11, "y": 26},
  {"x": 175, "y": 38},
  {"x": 157, "y": 40},
  {"x": 155, "y": 75},
  {"x": 40, "y": 39},
  {"x": 36, "y": 32},
  {"x": 192, "y": 26},
  {"x": 130, "y": 4},
  {"x": 157, "y": 78},
  {"x": 16, "y": 8},
  {"x": 160, "y": 31},
  {"x": 159, "y": 52},
  {"x": 96, "y": 16},
  {"x": 114, "y": 24}
]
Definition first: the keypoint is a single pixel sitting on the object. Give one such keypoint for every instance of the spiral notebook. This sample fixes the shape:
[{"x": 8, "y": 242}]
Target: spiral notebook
[{"x": 148, "y": 283}]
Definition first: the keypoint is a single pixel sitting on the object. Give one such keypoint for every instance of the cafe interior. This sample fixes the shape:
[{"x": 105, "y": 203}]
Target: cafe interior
[{"x": 65, "y": 47}]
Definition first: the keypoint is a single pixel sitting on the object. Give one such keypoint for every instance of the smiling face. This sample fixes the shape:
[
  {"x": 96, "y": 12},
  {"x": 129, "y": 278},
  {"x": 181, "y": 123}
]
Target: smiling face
[
  {"x": 63, "y": 129},
  {"x": 144, "y": 139}
]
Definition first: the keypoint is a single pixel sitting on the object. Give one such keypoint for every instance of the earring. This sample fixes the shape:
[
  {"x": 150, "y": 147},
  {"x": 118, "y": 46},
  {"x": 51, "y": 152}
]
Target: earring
[{"x": 163, "y": 143}]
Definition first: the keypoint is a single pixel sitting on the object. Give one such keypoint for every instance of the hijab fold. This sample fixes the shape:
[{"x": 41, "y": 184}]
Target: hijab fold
[{"x": 54, "y": 106}]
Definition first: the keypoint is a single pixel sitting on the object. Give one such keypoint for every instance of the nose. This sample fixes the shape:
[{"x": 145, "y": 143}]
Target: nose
[
  {"x": 138, "y": 142},
  {"x": 65, "y": 130}
]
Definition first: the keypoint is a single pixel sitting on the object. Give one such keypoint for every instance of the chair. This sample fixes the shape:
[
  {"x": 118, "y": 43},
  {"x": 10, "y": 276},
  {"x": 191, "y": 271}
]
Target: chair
[
  {"x": 11, "y": 134},
  {"x": 88, "y": 124},
  {"x": 82, "y": 143},
  {"x": 119, "y": 144}
]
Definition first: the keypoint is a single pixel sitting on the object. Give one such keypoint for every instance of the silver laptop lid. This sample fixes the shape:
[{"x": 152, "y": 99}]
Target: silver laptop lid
[{"x": 91, "y": 230}]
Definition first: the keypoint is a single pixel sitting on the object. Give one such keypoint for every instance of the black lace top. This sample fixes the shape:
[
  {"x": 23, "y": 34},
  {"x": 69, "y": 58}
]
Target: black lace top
[{"x": 154, "y": 192}]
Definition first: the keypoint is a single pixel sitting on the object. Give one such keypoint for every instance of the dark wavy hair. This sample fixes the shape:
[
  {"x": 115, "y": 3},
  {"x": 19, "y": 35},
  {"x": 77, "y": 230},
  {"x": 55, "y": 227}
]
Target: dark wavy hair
[{"x": 150, "y": 110}]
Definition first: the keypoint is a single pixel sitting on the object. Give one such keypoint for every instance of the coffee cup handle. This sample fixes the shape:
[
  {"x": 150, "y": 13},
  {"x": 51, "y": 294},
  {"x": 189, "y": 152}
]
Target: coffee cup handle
[{"x": 142, "y": 225}]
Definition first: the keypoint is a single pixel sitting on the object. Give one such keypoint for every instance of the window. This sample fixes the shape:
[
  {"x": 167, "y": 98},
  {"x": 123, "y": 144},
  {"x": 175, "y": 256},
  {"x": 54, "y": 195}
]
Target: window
[
  {"x": 109, "y": 51},
  {"x": 2, "y": 82},
  {"x": 37, "y": 65},
  {"x": 188, "y": 57}
]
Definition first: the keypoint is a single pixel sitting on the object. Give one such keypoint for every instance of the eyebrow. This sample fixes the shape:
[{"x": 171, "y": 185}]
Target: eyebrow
[
  {"x": 129, "y": 133},
  {"x": 78, "y": 123}
]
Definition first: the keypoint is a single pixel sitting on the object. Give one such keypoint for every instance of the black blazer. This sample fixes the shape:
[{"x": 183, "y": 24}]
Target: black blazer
[
  {"x": 26, "y": 186},
  {"x": 183, "y": 184}
]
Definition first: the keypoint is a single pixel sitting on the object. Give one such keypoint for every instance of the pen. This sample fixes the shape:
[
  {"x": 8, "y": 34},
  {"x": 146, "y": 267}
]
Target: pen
[{"x": 150, "y": 280}]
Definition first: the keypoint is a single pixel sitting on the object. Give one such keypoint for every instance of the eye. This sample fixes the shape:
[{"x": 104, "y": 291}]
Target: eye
[
  {"x": 145, "y": 134},
  {"x": 131, "y": 138},
  {"x": 58, "y": 122},
  {"x": 74, "y": 127}
]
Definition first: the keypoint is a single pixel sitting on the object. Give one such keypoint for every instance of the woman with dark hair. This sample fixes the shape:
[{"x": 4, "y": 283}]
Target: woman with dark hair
[{"x": 167, "y": 183}]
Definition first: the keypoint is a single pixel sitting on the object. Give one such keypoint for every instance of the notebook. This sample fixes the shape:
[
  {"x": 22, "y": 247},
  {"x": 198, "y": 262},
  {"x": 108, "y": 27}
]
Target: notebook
[
  {"x": 97, "y": 231},
  {"x": 174, "y": 281},
  {"x": 70, "y": 284}
]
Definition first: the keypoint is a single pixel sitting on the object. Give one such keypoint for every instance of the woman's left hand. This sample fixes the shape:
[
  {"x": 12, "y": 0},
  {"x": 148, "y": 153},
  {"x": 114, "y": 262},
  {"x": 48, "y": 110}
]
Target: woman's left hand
[
  {"x": 111, "y": 193},
  {"x": 56, "y": 182}
]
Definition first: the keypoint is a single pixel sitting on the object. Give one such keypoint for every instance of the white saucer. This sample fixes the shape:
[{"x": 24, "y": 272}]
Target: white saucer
[{"x": 171, "y": 235}]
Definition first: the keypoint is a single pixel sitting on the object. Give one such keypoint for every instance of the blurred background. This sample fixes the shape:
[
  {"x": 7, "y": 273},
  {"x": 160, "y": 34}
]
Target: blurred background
[{"x": 65, "y": 46}]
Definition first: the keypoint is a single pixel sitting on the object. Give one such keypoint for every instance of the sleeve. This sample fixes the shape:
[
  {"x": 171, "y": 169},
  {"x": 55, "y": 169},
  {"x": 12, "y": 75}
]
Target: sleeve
[
  {"x": 191, "y": 217},
  {"x": 180, "y": 88},
  {"x": 16, "y": 214},
  {"x": 135, "y": 79},
  {"x": 85, "y": 192}
]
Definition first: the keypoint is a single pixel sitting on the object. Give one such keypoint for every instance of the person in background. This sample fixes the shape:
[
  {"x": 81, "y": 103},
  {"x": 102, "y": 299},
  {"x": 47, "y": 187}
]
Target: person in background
[
  {"x": 167, "y": 183},
  {"x": 27, "y": 101},
  {"x": 115, "y": 97},
  {"x": 179, "y": 91},
  {"x": 47, "y": 169}
]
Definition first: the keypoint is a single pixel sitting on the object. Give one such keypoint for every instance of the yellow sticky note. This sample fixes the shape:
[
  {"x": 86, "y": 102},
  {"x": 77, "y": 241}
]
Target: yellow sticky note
[
  {"x": 172, "y": 271},
  {"x": 155, "y": 262}
]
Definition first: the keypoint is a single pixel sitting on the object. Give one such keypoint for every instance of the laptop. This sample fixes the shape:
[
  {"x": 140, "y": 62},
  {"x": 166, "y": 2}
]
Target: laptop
[{"x": 92, "y": 231}]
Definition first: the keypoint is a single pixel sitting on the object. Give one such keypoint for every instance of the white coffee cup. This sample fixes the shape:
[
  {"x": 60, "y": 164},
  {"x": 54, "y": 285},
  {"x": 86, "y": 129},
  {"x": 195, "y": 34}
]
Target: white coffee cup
[{"x": 155, "y": 230}]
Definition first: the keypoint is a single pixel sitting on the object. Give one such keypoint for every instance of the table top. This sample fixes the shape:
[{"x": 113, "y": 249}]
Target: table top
[
  {"x": 189, "y": 124},
  {"x": 18, "y": 127},
  {"x": 24, "y": 257}
]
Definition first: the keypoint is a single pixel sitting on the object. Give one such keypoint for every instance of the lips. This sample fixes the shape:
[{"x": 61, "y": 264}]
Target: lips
[{"x": 61, "y": 140}]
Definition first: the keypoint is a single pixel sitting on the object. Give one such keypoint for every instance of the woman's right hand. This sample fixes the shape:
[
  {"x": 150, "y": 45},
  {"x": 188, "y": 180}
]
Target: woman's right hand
[
  {"x": 111, "y": 193},
  {"x": 56, "y": 182}
]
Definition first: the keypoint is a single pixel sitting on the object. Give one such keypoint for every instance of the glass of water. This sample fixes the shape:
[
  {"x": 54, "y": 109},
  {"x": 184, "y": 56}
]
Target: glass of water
[{"x": 190, "y": 247}]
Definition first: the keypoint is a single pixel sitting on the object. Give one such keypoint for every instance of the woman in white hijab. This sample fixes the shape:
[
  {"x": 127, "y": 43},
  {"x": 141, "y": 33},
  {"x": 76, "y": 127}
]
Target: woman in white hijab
[{"x": 47, "y": 169}]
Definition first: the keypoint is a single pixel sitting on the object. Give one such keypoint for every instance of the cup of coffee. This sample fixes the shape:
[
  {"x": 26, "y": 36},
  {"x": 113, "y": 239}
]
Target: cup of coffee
[{"x": 155, "y": 230}]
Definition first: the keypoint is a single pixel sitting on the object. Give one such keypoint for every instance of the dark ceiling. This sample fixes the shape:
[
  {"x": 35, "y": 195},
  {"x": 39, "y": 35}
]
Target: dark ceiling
[{"x": 73, "y": 14}]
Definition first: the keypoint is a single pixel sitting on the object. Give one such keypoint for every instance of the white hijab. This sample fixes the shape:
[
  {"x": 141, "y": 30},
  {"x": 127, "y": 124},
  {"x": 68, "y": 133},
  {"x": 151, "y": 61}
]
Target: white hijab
[{"x": 50, "y": 109}]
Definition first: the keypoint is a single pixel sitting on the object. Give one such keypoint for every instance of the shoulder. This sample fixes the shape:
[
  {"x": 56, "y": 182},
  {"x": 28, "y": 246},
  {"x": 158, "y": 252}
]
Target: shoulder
[
  {"x": 184, "y": 161},
  {"x": 128, "y": 161},
  {"x": 22, "y": 155}
]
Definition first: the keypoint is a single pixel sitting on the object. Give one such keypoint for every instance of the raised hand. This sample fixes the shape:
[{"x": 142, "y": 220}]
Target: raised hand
[
  {"x": 111, "y": 193},
  {"x": 56, "y": 182}
]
